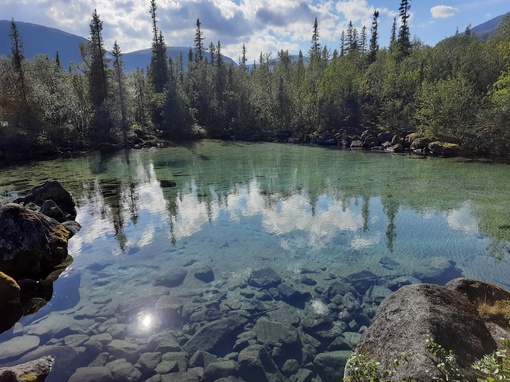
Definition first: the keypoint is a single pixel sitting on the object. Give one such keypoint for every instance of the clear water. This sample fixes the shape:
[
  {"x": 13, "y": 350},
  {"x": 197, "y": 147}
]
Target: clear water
[{"x": 240, "y": 207}]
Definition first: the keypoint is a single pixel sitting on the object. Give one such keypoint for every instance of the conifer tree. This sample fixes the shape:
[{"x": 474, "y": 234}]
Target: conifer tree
[
  {"x": 199, "y": 45},
  {"x": 404, "y": 36},
  {"x": 98, "y": 79},
  {"x": 158, "y": 70},
  {"x": 393, "y": 37},
  {"x": 17, "y": 60},
  {"x": 374, "y": 46},
  {"x": 118, "y": 67},
  {"x": 315, "y": 48}
]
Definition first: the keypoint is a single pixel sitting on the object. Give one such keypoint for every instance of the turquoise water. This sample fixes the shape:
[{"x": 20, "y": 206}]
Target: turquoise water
[{"x": 305, "y": 212}]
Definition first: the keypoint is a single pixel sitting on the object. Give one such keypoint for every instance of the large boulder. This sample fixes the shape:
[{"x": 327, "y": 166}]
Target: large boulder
[
  {"x": 51, "y": 190},
  {"x": 9, "y": 290},
  {"x": 30, "y": 242},
  {"x": 36, "y": 370},
  {"x": 408, "y": 316}
]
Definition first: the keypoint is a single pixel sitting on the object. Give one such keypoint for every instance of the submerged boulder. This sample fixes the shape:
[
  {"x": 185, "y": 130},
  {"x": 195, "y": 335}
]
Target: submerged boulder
[
  {"x": 408, "y": 316},
  {"x": 30, "y": 242}
]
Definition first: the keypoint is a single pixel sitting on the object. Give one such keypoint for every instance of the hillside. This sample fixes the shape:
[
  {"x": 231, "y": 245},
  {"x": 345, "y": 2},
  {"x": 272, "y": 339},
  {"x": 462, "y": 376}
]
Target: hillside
[
  {"x": 485, "y": 30},
  {"x": 38, "y": 39}
]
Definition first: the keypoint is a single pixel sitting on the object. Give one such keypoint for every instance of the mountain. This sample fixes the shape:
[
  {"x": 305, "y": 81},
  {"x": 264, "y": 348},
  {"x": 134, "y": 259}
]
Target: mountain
[
  {"x": 488, "y": 28},
  {"x": 142, "y": 58},
  {"x": 38, "y": 39}
]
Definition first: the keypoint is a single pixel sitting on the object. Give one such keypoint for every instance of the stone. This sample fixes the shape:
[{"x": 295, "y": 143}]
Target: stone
[
  {"x": 217, "y": 370},
  {"x": 51, "y": 190},
  {"x": 51, "y": 209},
  {"x": 363, "y": 280},
  {"x": 409, "y": 315},
  {"x": 95, "y": 373},
  {"x": 436, "y": 270},
  {"x": 255, "y": 365},
  {"x": 180, "y": 358},
  {"x": 316, "y": 315},
  {"x": 201, "y": 359},
  {"x": 330, "y": 365},
  {"x": 303, "y": 375},
  {"x": 217, "y": 337},
  {"x": 375, "y": 294},
  {"x": 172, "y": 279},
  {"x": 276, "y": 333},
  {"x": 124, "y": 371},
  {"x": 124, "y": 349},
  {"x": 291, "y": 366},
  {"x": 264, "y": 278},
  {"x": 149, "y": 361},
  {"x": 165, "y": 367},
  {"x": 18, "y": 346},
  {"x": 9, "y": 290},
  {"x": 36, "y": 370},
  {"x": 400, "y": 281},
  {"x": 445, "y": 149},
  {"x": 205, "y": 274},
  {"x": 168, "y": 310},
  {"x": 26, "y": 256},
  {"x": 75, "y": 340},
  {"x": 66, "y": 357}
]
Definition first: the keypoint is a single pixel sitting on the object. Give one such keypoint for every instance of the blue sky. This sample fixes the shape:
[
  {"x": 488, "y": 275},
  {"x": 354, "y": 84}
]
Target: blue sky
[{"x": 263, "y": 25}]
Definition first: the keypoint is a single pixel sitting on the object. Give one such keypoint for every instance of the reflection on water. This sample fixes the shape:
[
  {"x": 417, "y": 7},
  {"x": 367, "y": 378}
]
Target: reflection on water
[{"x": 311, "y": 214}]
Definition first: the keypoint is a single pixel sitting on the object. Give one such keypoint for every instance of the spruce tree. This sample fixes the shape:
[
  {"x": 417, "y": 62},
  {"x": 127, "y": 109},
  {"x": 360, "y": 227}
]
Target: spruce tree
[
  {"x": 18, "y": 59},
  {"x": 315, "y": 48},
  {"x": 98, "y": 79},
  {"x": 118, "y": 67},
  {"x": 199, "y": 45},
  {"x": 404, "y": 36},
  {"x": 158, "y": 70},
  {"x": 374, "y": 46}
]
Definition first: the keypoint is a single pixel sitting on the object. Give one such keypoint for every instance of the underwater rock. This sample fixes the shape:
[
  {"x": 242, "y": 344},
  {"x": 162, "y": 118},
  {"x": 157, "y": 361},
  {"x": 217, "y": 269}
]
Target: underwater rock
[
  {"x": 205, "y": 274},
  {"x": 264, "y": 278},
  {"x": 400, "y": 281},
  {"x": 436, "y": 270},
  {"x": 95, "y": 373},
  {"x": 149, "y": 361},
  {"x": 36, "y": 370},
  {"x": 276, "y": 333},
  {"x": 363, "y": 280},
  {"x": 330, "y": 365},
  {"x": 124, "y": 349},
  {"x": 217, "y": 337},
  {"x": 173, "y": 278},
  {"x": 256, "y": 365},
  {"x": 51, "y": 190},
  {"x": 124, "y": 371},
  {"x": 407, "y": 316},
  {"x": 168, "y": 310},
  {"x": 201, "y": 359},
  {"x": 18, "y": 345},
  {"x": 23, "y": 255},
  {"x": 217, "y": 370}
]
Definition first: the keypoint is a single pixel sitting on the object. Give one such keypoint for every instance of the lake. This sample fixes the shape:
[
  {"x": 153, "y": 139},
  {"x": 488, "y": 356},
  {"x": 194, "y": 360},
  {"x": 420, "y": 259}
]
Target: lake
[{"x": 225, "y": 253}]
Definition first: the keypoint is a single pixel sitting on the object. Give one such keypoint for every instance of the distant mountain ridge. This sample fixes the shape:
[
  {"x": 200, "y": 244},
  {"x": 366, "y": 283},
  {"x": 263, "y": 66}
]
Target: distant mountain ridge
[
  {"x": 488, "y": 28},
  {"x": 38, "y": 39}
]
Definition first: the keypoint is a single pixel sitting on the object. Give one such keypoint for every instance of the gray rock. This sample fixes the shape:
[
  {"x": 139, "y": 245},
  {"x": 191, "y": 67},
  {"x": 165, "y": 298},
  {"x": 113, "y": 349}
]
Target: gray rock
[
  {"x": 363, "y": 280},
  {"x": 180, "y": 358},
  {"x": 168, "y": 310},
  {"x": 376, "y": 294},
  {"x": 290, "y": 367},
  {"x": 256, "y": 365},
  {"x": 123, "y": 371},
  {"x": 205, "y": 274},
  {"x": 264, "y": 278},
  {"x": 18, "y": 346},
  {"x": 124, "y": 349},
  {"x": 165, "y": 367},
  {"x": 181, "y": 377},
  {"x": 39, "y": 369},
  {"x": 436, "y": 270},
  {"x": 406, "y": 317},
  {"x": 149, "y": 361},
  {"x": 201, "y": 359},
  {"x": 400, "y": 281},
  {"x": 217, "y": 337},
  {"x": 276, "y": 333},
  {"x": 172, "y": 279},
  {"x": 303, "y": 375},
  {"x": 330, "y": 365},
  {"x": 217, "y": 370},
  {"x": 96, "y": 374}
]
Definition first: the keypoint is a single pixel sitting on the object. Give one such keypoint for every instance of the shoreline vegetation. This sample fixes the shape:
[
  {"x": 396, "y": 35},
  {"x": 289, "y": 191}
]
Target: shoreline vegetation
[{"x": 449, "y": 100}]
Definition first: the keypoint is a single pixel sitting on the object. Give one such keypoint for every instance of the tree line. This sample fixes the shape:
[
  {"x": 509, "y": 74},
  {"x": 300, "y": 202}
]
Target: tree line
[{"x": 457, "y": 91}]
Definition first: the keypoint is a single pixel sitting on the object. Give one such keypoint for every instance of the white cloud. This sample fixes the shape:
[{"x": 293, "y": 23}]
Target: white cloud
[{"x": 443, "y": 11}]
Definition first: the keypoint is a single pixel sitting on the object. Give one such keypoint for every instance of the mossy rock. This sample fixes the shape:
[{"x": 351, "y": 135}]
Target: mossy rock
[
  {"x": 9, "y": 289},
  {"x": 420, "y": 143},
  {"x": 412, "y": 137}
]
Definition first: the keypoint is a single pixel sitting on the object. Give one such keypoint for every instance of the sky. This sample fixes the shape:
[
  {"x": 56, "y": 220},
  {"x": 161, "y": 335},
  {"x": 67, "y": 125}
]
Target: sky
[{"x": 266, "y": 26}]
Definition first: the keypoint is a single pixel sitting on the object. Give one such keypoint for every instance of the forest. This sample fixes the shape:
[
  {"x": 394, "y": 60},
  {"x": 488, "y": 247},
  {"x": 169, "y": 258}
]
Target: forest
[{"x": 457, "y": 91}]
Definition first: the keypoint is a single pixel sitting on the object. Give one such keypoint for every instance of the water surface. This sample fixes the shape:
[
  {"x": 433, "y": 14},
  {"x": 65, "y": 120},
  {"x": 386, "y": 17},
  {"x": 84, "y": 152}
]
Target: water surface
[{"x": 306, "y": 212}]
